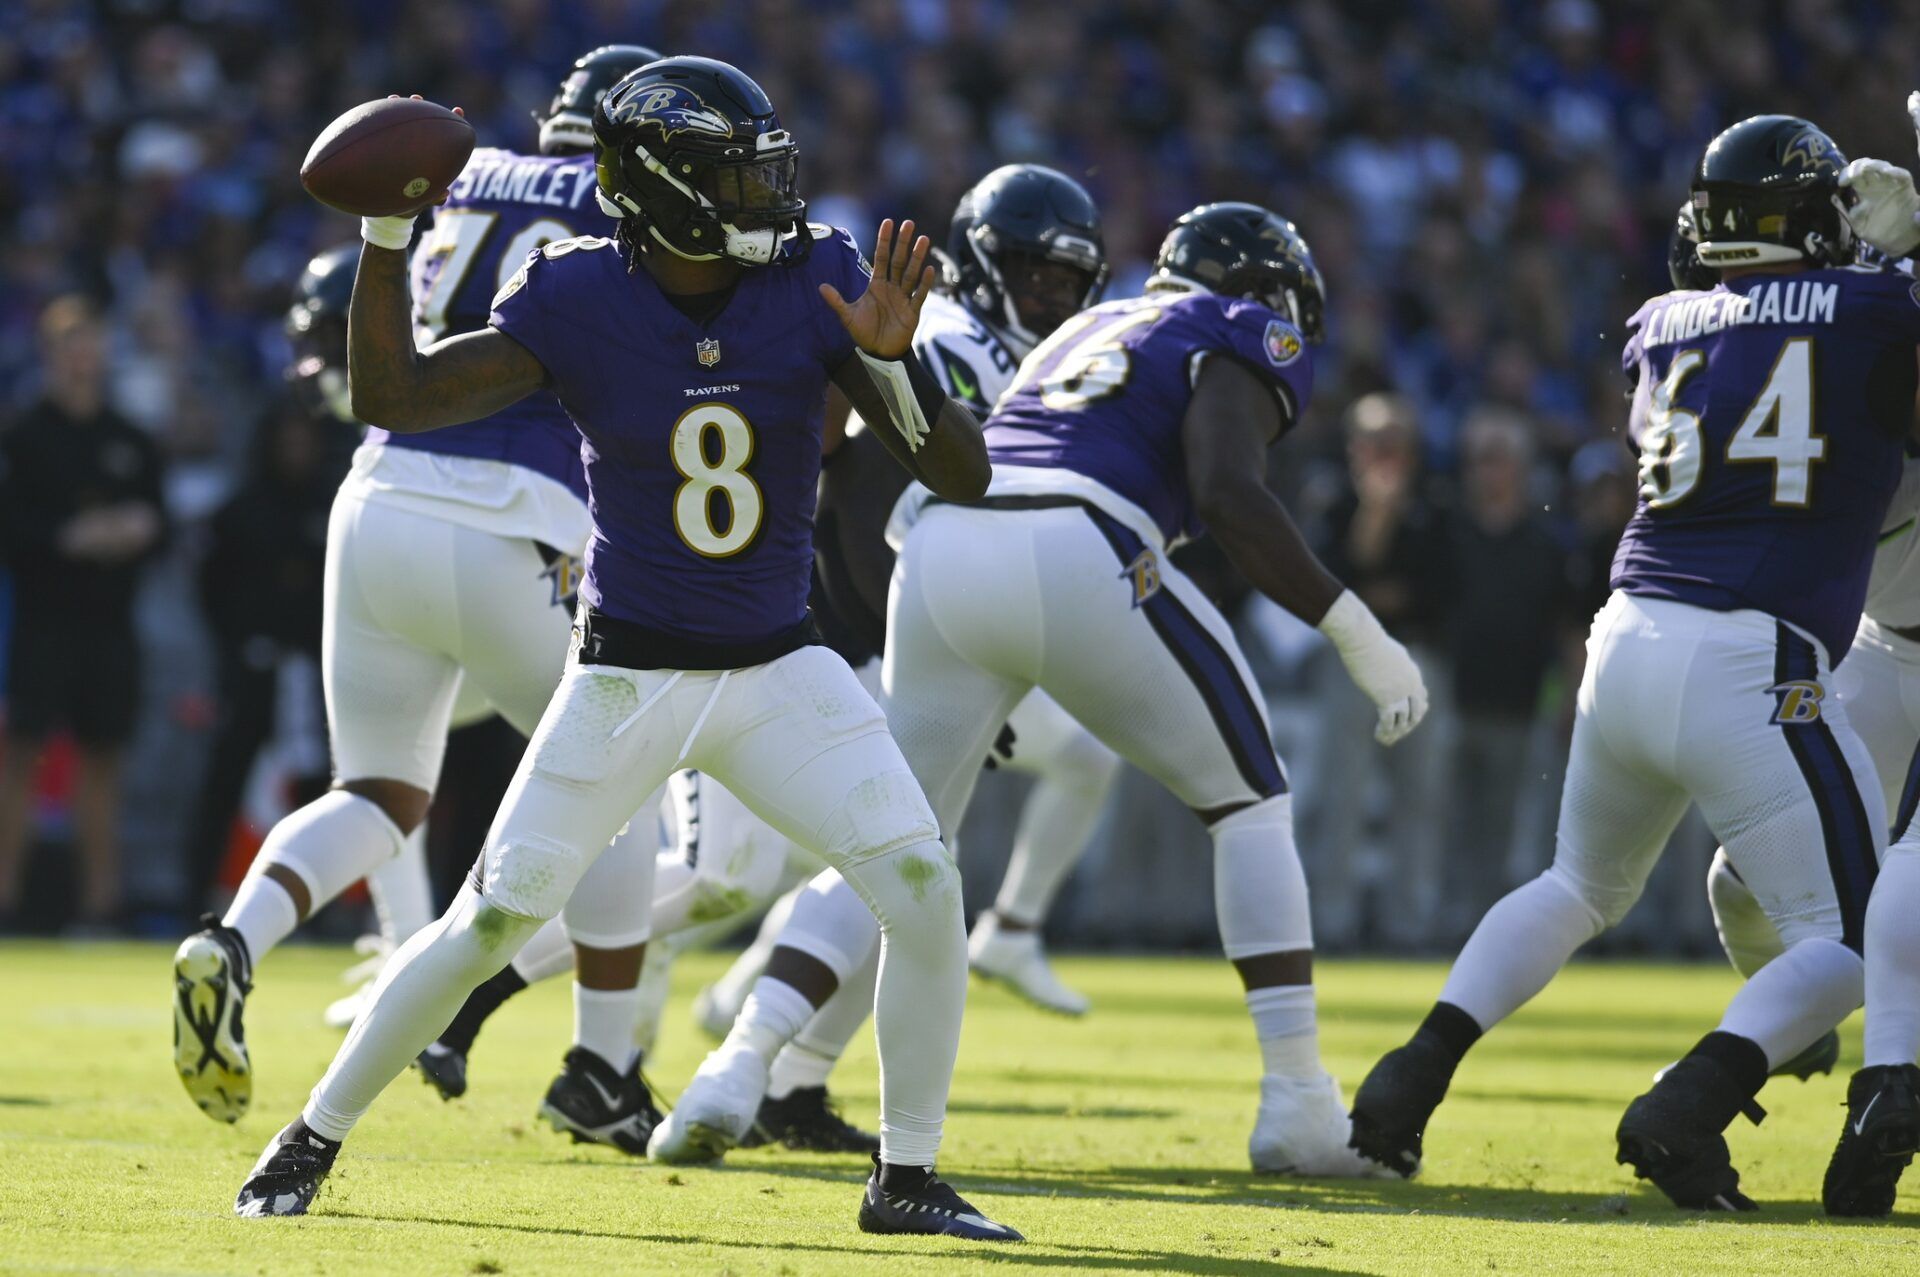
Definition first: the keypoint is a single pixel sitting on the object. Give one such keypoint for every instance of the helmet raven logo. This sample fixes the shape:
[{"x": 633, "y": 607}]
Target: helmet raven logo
[
  {"x": 672, "y": 109},
  {"x": 1813, "y": 149}
]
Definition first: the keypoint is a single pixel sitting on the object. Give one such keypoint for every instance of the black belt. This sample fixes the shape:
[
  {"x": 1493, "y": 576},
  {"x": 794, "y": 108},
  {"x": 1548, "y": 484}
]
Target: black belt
[
  {"x": 1035, "y": 502},
  {"x": 608, "y": 640}
]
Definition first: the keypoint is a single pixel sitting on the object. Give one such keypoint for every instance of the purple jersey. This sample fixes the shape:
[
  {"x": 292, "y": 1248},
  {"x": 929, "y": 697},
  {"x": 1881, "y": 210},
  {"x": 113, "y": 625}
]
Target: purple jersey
[
  {"x": 1770, "y": 415},
  {"x": 502, "y": 206},
  {"x": 702, "y": 439},
  {"x": 1106, "y": 394}
]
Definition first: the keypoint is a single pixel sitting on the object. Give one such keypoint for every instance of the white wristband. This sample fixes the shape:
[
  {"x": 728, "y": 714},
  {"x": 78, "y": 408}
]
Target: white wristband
[{"x": 387, "y": 232}]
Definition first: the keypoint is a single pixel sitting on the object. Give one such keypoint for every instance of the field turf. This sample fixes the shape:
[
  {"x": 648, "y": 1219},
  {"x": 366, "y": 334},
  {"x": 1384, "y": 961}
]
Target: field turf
[{"x": 1116, "y": 1144}]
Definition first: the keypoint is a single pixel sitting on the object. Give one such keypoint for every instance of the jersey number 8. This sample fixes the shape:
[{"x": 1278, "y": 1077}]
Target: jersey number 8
[
  {"x": 710, "y": 446},
  {"x": 1778, "y": 428}
]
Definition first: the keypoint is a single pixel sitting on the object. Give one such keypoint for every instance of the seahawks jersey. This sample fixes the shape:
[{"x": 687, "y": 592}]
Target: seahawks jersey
[
  {"x": 502, "y": 206},
  {"x": 1893, "y": 588},
  {"x": 861, "y": 481},
  {"x": 702, "y": 437},
  {"x": 1105, "y": 396},
  {"x": 1770, "y": 413}
]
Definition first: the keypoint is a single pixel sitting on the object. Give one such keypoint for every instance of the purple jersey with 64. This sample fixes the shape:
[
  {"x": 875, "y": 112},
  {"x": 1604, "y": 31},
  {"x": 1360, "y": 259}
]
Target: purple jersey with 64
[{"x": 1105, "y": 396}]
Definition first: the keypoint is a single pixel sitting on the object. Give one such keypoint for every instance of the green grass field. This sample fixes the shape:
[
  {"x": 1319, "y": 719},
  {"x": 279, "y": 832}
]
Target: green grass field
[{"x": 1117, "y": 1143}]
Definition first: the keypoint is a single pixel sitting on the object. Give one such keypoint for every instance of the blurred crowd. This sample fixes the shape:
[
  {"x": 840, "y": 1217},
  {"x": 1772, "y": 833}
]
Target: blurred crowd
[{"x": 1488, "y": 186}]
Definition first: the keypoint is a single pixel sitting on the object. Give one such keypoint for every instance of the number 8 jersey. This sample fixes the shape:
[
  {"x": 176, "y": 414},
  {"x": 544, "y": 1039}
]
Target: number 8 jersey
[
  {"x": 1770, "y": 416},
  {"x": 1105, "y": 396}
]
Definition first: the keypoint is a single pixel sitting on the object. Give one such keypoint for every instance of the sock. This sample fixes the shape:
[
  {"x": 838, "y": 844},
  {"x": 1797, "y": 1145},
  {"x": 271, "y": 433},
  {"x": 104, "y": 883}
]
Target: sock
[
  {"x": 1450, "y": 1029},
  {"x": 730, "y": 990},
  {"x": 895, "y": 1178},
  {"x": 774, "y": 1012},
  {"x": 825, "y": 1035},
  {"x": 914, "y": 893},
  {"x": 330, "y": 844},
  {"x": 402, "y": 894},
  {"x": 545, "y": 956},
  {"x": 656, "y": 982},
  {"x": 415, "y": 998},
  {"x": 480, "y": 1004},
  {"x": 796, "y": 1068},
  {"x": 1055, "y": 827},
  {"x": 1787, "y": 1004},
  {"x": 262, "y": 913},
  {"x": 603, "y": 1021},
  {"x": 1739, "y": 1056},
  {"x": 1893, "y": 959},
  {"x": 1521, "y": 944},
  {"x": 1284, "y": 1022}
]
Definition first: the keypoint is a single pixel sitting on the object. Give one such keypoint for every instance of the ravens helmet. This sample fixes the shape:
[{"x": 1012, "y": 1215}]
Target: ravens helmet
[
  {"x": 1243, "y": 250},
  {"x": 1768, "y": 190},
  {"x": 1024, "y": 251},
  {"x": 317, "y": 327},
  {"x": 567, "y": 127},
  {"x": 1684, "y": 266},
  {"x": 690, "y": 151}
]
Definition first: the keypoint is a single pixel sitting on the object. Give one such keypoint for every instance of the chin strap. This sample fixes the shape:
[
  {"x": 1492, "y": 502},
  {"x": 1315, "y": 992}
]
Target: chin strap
[{"x": 913, "y": 398}]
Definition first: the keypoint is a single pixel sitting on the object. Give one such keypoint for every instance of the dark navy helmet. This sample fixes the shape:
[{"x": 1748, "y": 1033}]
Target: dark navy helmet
[
  {"x": 1768, "y": 190},
  {"x": 691, "y": 153},
  {"x": 317, "y": 328},
  {"x": 1025, "y": 251},
  {"x": 1684, "y": 266},
  {"x": 567, "y": 127},
  {"x": 1243, "y": 250}
]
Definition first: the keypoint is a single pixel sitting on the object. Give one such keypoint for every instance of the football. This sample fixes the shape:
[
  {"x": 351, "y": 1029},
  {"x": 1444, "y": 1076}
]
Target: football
[{"x": 387, "y": 158}]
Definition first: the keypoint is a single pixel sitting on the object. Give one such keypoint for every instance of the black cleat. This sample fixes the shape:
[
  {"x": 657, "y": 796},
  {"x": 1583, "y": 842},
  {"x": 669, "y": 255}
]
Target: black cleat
[
  {"x": 1674, "y": 1136},
  {"x": 1819, "y": 1058},
  {"x": 917, "y": 1201},
  {"x": 212, "y": 975},
  {"x": 1392, "y": 1107},
  {"x": 288, "y": 1175},
  {"x": 444, "y": 1068},
  {"x": 1881, "y": 1134},
  {"x": 806, "y": 1121},
  {"x": 596, "y": 1105}
]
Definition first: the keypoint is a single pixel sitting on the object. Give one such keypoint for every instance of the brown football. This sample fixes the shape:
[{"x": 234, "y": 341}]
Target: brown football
[{"x": 386, "y": 158}]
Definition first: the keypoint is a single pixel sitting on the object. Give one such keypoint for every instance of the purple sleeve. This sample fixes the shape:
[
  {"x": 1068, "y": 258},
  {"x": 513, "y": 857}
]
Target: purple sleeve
[
  {"x": 842, "y": 264},
  {"x": 1273, "y": 350},
  {"x": 521, "y": 311}
]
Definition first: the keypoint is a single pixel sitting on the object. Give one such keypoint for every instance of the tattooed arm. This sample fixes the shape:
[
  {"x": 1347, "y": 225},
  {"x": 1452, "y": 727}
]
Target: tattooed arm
[{"x": 404, "y": 389}]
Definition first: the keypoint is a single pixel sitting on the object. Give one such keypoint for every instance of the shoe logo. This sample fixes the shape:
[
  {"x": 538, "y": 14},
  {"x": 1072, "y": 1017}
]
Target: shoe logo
[
  {"x": 607, "y": 1097},
  {"x": 1860, "y": 1127}
]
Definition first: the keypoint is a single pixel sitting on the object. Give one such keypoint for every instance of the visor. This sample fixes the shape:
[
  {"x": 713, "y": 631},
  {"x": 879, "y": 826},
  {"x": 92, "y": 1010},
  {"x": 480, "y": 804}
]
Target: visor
[{"x": 755, "y": 193}]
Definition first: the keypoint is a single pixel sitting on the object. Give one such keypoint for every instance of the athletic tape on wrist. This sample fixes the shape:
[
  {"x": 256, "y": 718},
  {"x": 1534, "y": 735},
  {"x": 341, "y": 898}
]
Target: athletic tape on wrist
[
  {"x": 912, "y": 396},
  {"x": 387, "y": 232}
]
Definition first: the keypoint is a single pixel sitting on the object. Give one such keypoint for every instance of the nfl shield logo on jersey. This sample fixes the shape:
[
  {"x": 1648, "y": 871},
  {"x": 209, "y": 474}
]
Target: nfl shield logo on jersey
[
  {"x": 708, "y": 351},
  {"x": 1282, "y": 346}
]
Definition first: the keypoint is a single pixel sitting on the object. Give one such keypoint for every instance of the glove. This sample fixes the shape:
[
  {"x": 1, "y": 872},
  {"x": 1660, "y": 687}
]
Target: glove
[
  {"x": 1885, "y": 207},
  {"x": 388, "y": 232},
  {"x": 1378, "y": 665}
]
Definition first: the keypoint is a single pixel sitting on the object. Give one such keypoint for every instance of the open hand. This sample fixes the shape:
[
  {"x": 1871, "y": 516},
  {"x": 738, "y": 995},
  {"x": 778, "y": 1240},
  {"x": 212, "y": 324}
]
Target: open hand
[{"x": 882, "y": 320}]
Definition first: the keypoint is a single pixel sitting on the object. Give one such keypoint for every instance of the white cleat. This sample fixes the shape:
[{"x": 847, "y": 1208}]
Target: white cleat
[
  {"x": 713, "y": 1014},
  {"x": 1017, "y": 960},
  {"x": 342, "y": 1013},
  {"x": 716, "y": 1110},
  {"x": 1303, "y": 1129}
]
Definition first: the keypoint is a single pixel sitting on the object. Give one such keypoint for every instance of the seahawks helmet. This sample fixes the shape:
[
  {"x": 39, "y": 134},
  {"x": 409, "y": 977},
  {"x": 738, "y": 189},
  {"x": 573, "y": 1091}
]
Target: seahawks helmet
[
  {"x": 1243, "y": 250},
  {"x": 567, "y": 127},
  {"x": 1684, "y": 266},
  {"x": 1768, "y": 190},
  {"x": 1024, "y": 251},
  {"x": 317, "y": 327},
  {"x": 690, "y": 151}
]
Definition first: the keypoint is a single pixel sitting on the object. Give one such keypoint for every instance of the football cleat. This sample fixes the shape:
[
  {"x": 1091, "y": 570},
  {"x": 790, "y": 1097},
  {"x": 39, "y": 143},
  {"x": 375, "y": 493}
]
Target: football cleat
[
  {"x": 1819, "y": 1058},
  {"x": 1393, "y": 1105},
  {"x": 212, "y": 976},
  {"x": 924, "y": 1204},
  {"x": 714, "y": 1015},
  {"x": 1675, "y": 1136},
  {"x": 444, "y": 1069},
  {"x": 716, "y": 1110},
  {"x": 807, "y": 1121},
  {"x": 1019, "y": 961},
  {"x": 597, "y": 1105},
  {"x": 288, "y": 1175},
  {"x": 375, "y": 952},
  {"x": 1878, "y": 1140},
  {"x": 1303, "y": 1129}
]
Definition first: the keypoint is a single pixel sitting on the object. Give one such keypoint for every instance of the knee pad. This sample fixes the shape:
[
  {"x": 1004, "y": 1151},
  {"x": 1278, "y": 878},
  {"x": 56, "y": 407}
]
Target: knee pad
[
  {"x": 1608, "y": 903},
  {"x": 832, "y": 923},
  {"x": 1259, "y": 888},
  {"x": 909, "y": 890},
  {"x": 612, "y": 907},
  {"x": 529, "y": 876},
  {"x": 882, "y": 814}
]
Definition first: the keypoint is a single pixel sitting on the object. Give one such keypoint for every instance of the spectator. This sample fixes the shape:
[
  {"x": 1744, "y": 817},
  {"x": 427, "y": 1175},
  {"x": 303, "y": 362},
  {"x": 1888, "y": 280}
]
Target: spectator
[
  {"x": 1511, "y": 600},
  {"x": 80, "y": 514}
]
